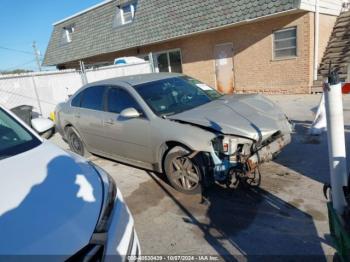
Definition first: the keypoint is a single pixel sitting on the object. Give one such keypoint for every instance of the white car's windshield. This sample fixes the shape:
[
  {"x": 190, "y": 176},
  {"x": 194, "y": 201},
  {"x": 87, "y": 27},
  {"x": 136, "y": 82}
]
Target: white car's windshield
[
  {"x": 14, "y": 138},
  {"x": 175, "y": 95}
]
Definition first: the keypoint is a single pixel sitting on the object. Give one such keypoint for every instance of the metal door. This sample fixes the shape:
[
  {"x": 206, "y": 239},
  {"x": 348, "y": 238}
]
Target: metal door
[
  {"x": 89, "y": 124},
  {"x": 224, "y": 68},
  {"x": 88, "y": 118}
]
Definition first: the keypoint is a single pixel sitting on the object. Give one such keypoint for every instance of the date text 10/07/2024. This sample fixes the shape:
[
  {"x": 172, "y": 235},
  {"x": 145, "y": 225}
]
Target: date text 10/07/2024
[{"x": 174, "y": 258}]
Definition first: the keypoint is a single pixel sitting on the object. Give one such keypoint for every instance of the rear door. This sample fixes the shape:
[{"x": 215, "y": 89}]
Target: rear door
[
  {"x": 129, "y": 138},
  {"x": 89, "y": 117}
]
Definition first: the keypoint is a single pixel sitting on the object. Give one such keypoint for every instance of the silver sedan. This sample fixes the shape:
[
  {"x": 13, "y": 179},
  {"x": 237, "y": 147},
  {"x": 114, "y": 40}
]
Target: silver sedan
[{"x": 174, "y": 124}]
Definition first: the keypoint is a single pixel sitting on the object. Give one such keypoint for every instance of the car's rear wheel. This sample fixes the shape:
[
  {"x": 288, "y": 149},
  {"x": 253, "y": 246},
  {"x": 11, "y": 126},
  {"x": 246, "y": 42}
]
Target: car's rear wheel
[
  {"x": 75, "y": 143},
  {"x": 183, "y": 172}
]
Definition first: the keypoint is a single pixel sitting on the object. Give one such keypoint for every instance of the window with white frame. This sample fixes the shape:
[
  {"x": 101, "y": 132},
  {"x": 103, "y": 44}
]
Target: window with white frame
[
  {"x": 125, "y": 14},
  {"x": 67, "y": 32},
  {"x": 168, "y": 61},
  {"x": 285, "y": 43}
]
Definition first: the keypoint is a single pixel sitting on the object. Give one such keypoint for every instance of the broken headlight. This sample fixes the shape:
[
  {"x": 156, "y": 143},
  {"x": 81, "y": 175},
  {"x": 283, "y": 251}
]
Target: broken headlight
[{"x": 232, "y": 147}]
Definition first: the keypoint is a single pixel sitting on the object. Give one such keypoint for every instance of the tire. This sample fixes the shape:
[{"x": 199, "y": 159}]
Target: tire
[
  {"x": 75, "y": 143},
  {"x": 183, "y": 173}
]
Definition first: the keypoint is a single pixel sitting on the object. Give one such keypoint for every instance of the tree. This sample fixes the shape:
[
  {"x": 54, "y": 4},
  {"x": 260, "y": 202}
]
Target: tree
[{"x": 15, "y": 71}]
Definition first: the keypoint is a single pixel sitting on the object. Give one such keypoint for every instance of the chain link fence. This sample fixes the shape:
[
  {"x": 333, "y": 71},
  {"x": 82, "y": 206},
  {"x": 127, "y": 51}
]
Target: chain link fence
[{"x": 44, "y": 90}]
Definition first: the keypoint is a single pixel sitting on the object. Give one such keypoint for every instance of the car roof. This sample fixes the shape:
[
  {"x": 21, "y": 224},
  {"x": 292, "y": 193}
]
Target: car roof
[{"x": 135, "y": 79}]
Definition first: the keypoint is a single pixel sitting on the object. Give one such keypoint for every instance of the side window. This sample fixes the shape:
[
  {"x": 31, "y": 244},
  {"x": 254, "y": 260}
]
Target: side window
[
  {"x": 113, "y": 101},
  {"x": 93, "y": 98},
  {"x": 119, "y": 99},
  {"x": 76, "y": 100},
  {"x": 285, "y": 43}
]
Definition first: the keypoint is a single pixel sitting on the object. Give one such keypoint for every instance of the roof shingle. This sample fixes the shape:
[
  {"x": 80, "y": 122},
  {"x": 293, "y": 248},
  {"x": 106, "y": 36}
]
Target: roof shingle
[{"x": 155, "y": 20}]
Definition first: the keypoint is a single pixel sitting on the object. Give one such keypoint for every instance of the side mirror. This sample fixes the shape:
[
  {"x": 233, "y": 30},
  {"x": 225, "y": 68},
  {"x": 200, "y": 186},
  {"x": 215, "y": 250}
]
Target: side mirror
[{"x": 130, "y": 113}]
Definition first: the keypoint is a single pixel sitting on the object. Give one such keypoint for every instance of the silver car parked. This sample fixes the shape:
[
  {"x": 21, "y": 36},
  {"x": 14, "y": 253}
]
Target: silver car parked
[{"x": 174, "y": 124}]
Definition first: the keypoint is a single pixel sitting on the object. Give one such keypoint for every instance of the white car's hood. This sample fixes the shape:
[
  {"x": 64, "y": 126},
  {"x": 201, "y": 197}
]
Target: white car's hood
[{"x": 50, "y": 202}]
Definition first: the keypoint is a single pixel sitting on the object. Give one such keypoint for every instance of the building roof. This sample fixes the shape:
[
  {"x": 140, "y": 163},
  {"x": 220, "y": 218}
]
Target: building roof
[{"x": 155, "y": 21}]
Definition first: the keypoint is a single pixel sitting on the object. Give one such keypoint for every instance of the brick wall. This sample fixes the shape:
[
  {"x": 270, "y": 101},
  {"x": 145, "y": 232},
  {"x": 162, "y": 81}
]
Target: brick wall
[
  {"x": 327, "y": 23},
  {"x": 254, "y": 67},
  {"x": 255, "y": 70}
]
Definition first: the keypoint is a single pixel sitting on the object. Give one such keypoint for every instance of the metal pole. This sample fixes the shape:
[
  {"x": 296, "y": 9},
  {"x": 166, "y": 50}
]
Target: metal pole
[
  {"x": 83, "y": 73},
  {"x": 37, "y": 55},
  {"x": 336, "y": 141},
  {"x": 151, "y": 61},
  {"x": 37, "y": 96}
]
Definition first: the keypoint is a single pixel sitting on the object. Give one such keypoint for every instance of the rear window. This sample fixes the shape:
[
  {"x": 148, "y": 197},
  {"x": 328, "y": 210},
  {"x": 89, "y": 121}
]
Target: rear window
[{"x": 93, "y": 98}]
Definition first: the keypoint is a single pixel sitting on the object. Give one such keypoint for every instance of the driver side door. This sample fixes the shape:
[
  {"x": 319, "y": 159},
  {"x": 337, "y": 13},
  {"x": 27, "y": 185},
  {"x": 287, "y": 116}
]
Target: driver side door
[{"x": 128, "y": 137}]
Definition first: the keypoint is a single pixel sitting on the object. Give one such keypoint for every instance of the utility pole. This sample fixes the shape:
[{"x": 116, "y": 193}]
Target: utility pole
[{"x": 37, "y": 55}]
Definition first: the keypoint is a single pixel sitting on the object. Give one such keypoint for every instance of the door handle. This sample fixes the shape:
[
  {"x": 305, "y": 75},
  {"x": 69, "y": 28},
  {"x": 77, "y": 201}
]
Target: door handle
[{"x": 109, "y": 122}]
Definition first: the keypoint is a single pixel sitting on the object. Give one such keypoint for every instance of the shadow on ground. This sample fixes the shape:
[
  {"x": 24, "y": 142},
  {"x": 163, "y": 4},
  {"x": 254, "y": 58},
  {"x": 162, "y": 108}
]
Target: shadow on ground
[
  {"x": 245, "y": 223},
  {"x": 308, "y": 155}
]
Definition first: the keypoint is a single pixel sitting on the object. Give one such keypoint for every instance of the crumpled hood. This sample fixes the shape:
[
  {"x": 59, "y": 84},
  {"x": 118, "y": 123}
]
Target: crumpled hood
[
  {"x": 50, "y": 202},
  {"x": 251, "y": 116}
]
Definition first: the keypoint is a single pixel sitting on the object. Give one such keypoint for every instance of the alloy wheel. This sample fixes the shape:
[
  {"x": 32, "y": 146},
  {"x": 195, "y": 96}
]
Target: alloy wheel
[{"x": 184, "y": 173}]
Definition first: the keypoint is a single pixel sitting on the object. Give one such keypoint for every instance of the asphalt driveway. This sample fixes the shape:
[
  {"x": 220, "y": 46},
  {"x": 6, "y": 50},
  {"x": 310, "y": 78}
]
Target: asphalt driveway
[{"x": 286, "y": 218}]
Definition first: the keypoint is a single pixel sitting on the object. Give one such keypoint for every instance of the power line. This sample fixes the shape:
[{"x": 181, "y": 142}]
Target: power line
[{"x": 16, "y": 50}]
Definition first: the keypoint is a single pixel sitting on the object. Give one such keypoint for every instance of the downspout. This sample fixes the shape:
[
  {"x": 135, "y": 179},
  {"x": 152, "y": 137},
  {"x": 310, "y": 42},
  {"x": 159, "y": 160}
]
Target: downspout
[{"x": 317, "y": 37}]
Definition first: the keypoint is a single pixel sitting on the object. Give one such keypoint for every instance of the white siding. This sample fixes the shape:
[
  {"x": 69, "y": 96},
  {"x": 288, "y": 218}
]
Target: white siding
[{"x": 331, "y": 7}]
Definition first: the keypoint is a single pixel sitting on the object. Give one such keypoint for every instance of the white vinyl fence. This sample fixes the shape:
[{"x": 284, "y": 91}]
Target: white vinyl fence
[{"x": 44, "y": 90}]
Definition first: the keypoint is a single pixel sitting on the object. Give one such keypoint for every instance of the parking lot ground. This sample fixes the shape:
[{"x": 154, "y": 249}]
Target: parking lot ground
[{"x": 284, "y": 219}]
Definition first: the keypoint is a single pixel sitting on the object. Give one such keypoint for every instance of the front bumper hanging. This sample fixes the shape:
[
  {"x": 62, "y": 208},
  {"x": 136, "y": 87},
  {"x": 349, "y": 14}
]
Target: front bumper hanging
[
  {"x": 263, "y": 154},
  {"x": 269, "y": 152}
]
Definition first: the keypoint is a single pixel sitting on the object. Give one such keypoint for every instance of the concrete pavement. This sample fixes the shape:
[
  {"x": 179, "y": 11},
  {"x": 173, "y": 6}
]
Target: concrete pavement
[{"x": 286, "y": 218}]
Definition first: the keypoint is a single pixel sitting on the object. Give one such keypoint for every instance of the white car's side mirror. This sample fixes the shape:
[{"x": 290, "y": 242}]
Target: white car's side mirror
[
  {"x": 43, "y": 126},
  {"x": 130, "y": 113}
]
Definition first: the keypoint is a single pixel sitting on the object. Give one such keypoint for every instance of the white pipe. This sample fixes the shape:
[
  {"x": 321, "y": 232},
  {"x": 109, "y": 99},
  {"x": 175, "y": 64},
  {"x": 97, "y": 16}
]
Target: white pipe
[
  {"x": 336, "y": 145},
  {"x": 317, "y": 37}
]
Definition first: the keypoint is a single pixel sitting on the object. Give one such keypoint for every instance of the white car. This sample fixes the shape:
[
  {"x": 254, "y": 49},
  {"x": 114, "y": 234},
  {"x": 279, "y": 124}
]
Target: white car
[
  {"x": 128, "y": 60},
  {"x": 58, "y": 204}
]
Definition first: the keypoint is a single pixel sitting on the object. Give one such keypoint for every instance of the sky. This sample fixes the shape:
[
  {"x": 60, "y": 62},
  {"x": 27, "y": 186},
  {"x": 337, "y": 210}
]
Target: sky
[{"x": 26, "y": 21}]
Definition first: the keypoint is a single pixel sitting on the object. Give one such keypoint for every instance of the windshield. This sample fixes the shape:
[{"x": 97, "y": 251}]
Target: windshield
[
  {"x": 175, "y": 95},
  {"x": 14, "y": 138}
]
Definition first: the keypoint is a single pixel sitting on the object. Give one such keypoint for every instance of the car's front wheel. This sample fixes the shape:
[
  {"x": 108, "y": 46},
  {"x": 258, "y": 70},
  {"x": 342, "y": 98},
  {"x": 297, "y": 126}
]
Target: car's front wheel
[
  {"x": 75, "y": 143},
  {"x": 183, "y": 172}
]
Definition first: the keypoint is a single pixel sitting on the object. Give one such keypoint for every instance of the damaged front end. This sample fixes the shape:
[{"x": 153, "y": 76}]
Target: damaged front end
[{"x": 236, "y": 158}]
